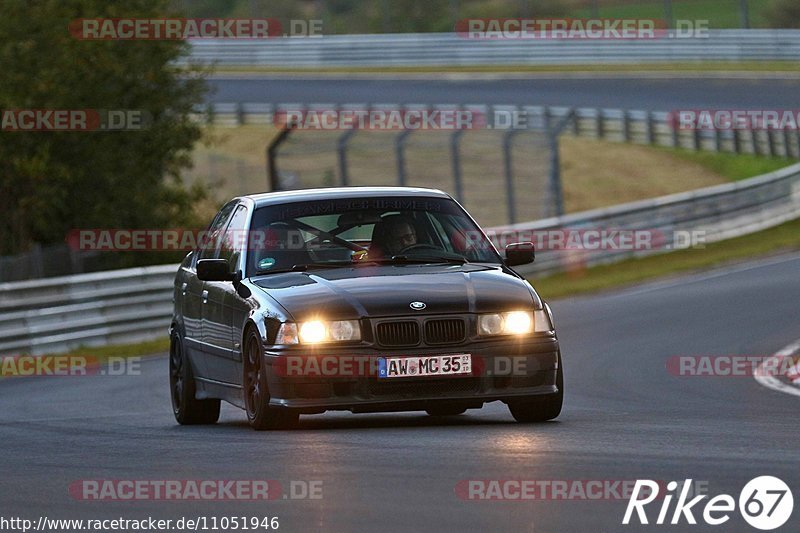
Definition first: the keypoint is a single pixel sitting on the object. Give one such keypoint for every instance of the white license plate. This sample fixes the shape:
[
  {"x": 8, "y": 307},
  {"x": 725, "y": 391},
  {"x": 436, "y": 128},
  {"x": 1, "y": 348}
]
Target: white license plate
[{"x": 420, "y": 366}]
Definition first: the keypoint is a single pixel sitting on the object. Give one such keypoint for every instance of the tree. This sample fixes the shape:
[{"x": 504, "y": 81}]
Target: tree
[
  {"x": 783, "y": 14},
  {"x": 55, "y": 181}
]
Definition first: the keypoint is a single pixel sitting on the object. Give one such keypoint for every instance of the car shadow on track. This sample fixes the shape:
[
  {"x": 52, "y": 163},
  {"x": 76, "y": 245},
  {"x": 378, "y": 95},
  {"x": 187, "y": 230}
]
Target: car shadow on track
[{"x": 329, "y": 422}]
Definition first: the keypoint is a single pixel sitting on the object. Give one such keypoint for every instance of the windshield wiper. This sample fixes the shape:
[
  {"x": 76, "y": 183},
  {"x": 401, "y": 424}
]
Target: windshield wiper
[
  {"x": 306, "y": 266},
  {"x": 416, "y": 259},
  {"x": 394, "y": 260}
]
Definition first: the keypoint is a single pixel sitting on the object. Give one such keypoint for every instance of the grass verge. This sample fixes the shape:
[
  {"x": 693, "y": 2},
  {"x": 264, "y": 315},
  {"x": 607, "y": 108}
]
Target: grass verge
[
  {"x": 137, "y": 349},
  {"x": 719, "y": 13},
  {"x": 694, "y": 67},
  {"x": 735, "y": 167},
  {"x": 785, "y": 237}
]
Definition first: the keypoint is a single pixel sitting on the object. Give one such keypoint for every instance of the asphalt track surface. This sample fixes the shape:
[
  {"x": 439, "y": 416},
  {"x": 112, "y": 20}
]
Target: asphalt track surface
[
  {"x": 625, "y": 417},
  {"x": 657, "y": 93}
]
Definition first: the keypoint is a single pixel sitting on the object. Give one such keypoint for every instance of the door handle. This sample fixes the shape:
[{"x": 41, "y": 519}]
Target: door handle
[{"x": 205, "y": 297}]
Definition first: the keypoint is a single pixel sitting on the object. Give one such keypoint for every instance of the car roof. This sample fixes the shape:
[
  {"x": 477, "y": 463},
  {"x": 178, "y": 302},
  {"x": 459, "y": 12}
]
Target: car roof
[{"x": 332, "y": 193}]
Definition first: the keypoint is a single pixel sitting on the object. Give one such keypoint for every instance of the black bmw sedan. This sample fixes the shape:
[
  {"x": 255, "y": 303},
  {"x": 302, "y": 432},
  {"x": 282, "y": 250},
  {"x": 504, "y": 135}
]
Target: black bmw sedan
[{"x": 361, "y": 299}]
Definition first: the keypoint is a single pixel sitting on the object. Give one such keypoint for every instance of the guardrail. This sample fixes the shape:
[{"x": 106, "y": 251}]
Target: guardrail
[
  {"x": 449, "y": 49},
  {"x": 58, "y": 314},
  {"x": 717, "y": 213}
]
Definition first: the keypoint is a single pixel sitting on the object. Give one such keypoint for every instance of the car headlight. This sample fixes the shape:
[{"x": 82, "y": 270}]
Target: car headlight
[
  {"x": 317, "y": 331},
  {"x": 514, "y": 323}
]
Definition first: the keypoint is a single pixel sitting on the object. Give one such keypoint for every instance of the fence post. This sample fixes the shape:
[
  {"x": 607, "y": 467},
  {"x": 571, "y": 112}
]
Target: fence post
[
  {"x": 744, "y": 16},
  {"x": 755, "y": 143},
  {"x": 626, "y": 126},
  {"x": 717, "y": 140},
  {"x": 576, "y": 125},
  {"x": 553, "y": 134},
  {"x": 787, "y": 152},
  {"x": 76, "y": 261},
  {"x": 341, "y": 148},
  {"x": 455, "y": 155},
  {"x": 555, "y": 175},
  {"x": 668, "y": 12},
  {"x": 508, "y": 137},
  {"x": 601, "y": 127},
  {"x": 399, "y": 148},
  {"x": 676, "y": 139},
  {"x": 273, "y": 181},
  {"x": 797, "y": 143},
  {"x": 239, "y": 114},
  {"x": 697, "y": 141},
  {"x": 737, "y": 141},
  {"x": 210, "y": 114},
  {"x": 649, "y": 128},
  {"x": 773, "y": 150}
]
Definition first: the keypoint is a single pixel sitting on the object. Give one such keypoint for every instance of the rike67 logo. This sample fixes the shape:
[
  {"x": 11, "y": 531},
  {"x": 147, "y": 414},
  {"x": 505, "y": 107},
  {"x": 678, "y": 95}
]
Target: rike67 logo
[{"x": 765, "y": 503}]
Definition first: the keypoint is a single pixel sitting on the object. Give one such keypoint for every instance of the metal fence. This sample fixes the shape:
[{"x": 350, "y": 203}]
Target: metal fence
[
  {"x": 502, "y": 175},
  {"x": 505, "y": 172},
  {"x": 621, "y": 125},
  {"x": 59, "y": 314},
  {"x": 500, "y": 178},
  {"x": 450, "y": 49}
]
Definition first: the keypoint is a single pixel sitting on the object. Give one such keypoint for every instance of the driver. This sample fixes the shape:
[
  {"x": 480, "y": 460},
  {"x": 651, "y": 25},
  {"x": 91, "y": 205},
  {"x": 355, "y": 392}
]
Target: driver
[{"x": 400, "y": 234}]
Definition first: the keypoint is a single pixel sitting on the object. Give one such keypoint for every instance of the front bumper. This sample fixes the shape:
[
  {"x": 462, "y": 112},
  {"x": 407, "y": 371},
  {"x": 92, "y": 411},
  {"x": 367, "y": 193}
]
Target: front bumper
[{"x": 502, "y": 370}]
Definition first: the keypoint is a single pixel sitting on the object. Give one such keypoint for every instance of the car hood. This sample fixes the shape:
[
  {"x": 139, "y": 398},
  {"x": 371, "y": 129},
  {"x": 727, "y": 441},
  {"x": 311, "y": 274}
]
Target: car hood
[{"x": 388, "y": 290}]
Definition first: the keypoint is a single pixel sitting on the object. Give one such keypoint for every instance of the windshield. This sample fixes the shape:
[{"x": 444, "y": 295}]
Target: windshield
[{"x": 360, "y": 231}]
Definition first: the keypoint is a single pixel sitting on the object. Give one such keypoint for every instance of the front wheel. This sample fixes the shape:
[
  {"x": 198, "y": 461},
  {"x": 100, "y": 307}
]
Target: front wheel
[
  {"x": 542, "y": 407},
  {"x": 260, "y": 413},
  {"x": 187, "y": 409}
]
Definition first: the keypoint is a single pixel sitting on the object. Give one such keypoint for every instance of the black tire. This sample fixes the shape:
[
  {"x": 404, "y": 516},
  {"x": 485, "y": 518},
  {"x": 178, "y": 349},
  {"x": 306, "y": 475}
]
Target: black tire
[
  {"x": 187, "y": 409},
  {"x": 543, "y": 407},
  {"x": 447, "y": 410},
  {"x": 260, "y": 414}
]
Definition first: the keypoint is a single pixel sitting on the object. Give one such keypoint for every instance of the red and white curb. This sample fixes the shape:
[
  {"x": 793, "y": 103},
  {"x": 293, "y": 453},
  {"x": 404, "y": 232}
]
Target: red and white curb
[{"x": 790, "y": 383}]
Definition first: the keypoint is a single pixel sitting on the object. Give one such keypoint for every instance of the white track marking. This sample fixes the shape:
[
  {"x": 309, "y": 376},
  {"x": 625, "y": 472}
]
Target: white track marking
[{"x": 771, "y": 382}]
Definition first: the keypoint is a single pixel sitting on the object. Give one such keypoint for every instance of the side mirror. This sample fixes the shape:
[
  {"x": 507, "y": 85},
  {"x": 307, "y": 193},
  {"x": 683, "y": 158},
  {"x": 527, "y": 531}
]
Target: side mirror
[
  {"x": 214, "y": 270},
  {"x": 519, "y": 253}
]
